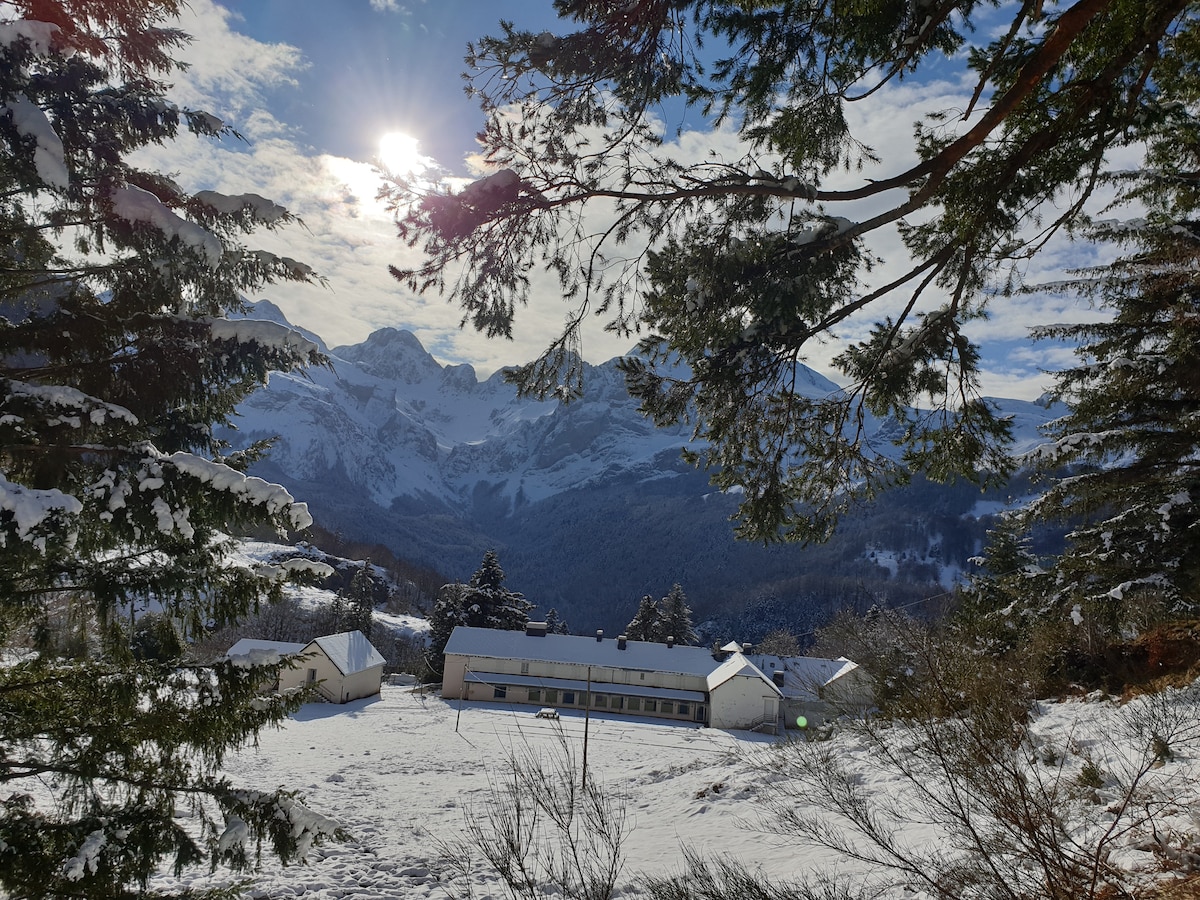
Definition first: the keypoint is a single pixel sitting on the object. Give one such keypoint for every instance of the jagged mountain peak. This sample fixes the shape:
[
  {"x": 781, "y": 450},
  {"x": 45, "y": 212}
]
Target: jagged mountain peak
[{"x": 393, "y": 354}]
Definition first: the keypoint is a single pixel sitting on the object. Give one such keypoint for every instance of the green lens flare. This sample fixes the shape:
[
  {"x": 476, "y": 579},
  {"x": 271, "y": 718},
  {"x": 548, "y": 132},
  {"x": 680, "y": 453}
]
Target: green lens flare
[{"x": 801, "y": 722}]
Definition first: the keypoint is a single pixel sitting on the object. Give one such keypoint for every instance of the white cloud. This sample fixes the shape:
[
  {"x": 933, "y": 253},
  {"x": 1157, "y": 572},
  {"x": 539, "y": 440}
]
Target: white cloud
[{"x": 226, "y": 66}]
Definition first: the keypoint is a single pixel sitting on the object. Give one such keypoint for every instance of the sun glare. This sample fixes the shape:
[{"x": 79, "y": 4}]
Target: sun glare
[{"x": 399, "y": 155}]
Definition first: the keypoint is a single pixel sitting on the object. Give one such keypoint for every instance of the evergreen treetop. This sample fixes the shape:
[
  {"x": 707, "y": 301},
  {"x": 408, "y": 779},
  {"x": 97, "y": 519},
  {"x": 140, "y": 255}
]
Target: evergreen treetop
[
  {"x": 489, "y": 604},
  {"x": 646, "y": 624},
  {"x": 677, "y": 617}
]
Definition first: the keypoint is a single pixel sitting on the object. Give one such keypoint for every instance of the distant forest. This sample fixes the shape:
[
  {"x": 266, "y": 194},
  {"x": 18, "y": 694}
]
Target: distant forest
[{"x": 593, "y": 552}]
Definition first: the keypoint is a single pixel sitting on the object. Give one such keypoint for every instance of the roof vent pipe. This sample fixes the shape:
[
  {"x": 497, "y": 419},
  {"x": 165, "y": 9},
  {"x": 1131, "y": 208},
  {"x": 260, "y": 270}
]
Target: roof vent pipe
[
  {"x": 670, "y": 640},
  {"x": 599, "y": 635}
]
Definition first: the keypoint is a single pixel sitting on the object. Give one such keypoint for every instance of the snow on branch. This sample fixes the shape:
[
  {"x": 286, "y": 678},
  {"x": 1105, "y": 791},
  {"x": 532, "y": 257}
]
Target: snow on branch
[
  {"x": 87, "y": 857},
  {"x": 270, "y": 335},
  {"x": 133, "y": 204},
  {"x": 39, "y": 34},
  {"x": 71, "y": 399},
  {"x": 294, "y": 268},
  {"x": 289, "y": 817},
  {"x": 262, "y": 210},
  {"x": 49, "y": 156},
  {"x": 284, "y": 570},
  {"x": 274, "y": 497},
  {"x": 1071, "y": 446},
  {"x": 30, "y": 507}
]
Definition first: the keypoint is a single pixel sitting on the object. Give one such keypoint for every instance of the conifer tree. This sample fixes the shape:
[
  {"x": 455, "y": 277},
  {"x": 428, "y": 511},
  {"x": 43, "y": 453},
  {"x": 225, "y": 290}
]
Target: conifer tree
[
  {"x": 489, "y": 604},
  {"x": 361, "y": 601},
  {"x": 736, "y": 266},
  {"x": 1010, "y": 593},
  {"x": 121, "y": 352},
  {"x": 677, "y": 617},
  {"x": 1133, "y": 430},
  {"x": 646, "y": 624},
  {"x": 449, "y": 611},
  {"x": 555, "y": 623}
]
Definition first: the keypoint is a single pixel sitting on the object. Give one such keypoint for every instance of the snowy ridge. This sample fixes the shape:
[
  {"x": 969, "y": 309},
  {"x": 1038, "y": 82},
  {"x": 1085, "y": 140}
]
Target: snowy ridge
[{"x": 392, "y": 422}]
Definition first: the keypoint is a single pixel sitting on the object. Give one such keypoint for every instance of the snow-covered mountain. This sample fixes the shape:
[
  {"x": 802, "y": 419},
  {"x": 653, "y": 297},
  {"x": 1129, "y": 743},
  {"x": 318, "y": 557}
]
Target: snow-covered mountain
[
  {"x": 388, "y": 444},
  {"x": 390, "y": 420}
]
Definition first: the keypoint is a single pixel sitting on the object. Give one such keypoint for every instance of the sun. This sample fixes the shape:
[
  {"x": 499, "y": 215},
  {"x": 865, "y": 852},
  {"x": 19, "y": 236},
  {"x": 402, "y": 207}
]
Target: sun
[{"x": 399, "y": 155}]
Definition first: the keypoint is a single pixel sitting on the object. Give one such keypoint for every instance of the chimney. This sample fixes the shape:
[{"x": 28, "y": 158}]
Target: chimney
[
  {"x": 536, "y": 629},
  {"x": 777, "y": 677},
  {"x": 599, "y": 635},
  {"x": 670, "y": 641},
  {"x": 746, "y": 648},
  {"x": 621, "y": 639}
]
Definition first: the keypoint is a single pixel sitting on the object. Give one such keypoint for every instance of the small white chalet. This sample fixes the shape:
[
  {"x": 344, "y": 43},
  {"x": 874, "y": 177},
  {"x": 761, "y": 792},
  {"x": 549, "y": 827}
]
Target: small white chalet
[
  {"x": 343, "y": 667},
  {"x": 637, "y": 678}
]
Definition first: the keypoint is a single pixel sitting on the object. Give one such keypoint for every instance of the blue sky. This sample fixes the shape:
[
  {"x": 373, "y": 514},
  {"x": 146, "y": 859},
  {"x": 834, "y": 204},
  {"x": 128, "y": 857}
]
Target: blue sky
[
  {"x": 374, "y": 67},
  {"x": 314, "y": 86}
]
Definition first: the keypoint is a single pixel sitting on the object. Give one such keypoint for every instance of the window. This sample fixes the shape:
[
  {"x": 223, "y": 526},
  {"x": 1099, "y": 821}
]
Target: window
[
  {"x": 633, "y": 704},
  {"x": 642, "y": 675},
  {"x": 551, "y": 696},
  {"x": 568, "y": 698},
  {"x": 312, "y": 675},
  {"x": 599, "y": 700},
  {"x": 535, "y": 695},
  {"x": 524, "y": 668},
  {"x": 618, "y": 703},
  {"x": 499, "y": 692},
  {"x": 683, "y": 709},
  {"x": 651, "y": 706}
]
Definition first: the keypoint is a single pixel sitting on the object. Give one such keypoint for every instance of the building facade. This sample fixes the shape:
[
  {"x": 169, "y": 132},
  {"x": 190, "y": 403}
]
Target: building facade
[
  {"x": 611, "y": 675},
  {"x": 342, "y": 667}
]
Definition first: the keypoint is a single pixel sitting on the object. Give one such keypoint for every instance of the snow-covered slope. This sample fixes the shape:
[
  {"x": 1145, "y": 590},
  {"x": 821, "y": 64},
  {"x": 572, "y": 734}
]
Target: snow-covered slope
[{"x": 404, "y": 773}]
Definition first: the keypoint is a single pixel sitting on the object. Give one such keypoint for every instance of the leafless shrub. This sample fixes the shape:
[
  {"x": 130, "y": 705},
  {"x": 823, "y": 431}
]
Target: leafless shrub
[
  {"x": 727, "y": 879},
  {"x": 1008, "y": 821},
  {"x": 543, "y": 830}
]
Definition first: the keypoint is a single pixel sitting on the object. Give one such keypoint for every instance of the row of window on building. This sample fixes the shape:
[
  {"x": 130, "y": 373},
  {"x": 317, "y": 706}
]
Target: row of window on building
[{"x": 555, "y": 697}]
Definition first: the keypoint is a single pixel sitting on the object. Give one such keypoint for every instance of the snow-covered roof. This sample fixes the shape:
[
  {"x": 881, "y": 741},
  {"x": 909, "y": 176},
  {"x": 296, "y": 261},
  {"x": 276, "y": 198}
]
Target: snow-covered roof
[
  {"x": 803, "y": 675},
  {"x": 259, "y": 651},
  {"x": 350, "y": 651},
  {"x": 734, "y": 667},
  {"x": 586, "y": 651}
]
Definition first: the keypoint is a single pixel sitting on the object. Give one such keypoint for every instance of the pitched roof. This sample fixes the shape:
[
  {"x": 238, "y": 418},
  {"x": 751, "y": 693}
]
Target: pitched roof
[
  {"x": 586, "y": 651},
  {"x": 260, "y": 651},
  {"x": 804, "y": 675},
  {"x": 734, "y": 667},
  {"x": 350, "y": 651}
]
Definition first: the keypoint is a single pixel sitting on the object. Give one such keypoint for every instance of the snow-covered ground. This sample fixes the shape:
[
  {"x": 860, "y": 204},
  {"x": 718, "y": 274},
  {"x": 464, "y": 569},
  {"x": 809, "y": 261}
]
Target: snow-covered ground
[{"x": 402, "y": 771}]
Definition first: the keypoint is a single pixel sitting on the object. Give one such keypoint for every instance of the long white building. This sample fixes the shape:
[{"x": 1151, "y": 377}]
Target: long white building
[{"x": 613, "y": 675}]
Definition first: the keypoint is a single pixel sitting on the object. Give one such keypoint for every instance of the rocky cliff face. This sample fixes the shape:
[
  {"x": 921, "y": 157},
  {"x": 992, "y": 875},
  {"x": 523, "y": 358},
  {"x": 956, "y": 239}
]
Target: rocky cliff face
[{"x": 588, "y": 502}]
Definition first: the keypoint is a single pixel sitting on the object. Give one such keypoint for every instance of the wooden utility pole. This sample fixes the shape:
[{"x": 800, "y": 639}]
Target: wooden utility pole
[
  {"x": 587, "y": 718},
  {"x": 462, "y": 693}
]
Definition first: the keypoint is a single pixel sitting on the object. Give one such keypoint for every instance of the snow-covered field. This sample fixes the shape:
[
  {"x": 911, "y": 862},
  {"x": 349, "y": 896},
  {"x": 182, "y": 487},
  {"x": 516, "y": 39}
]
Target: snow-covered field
[{"x": 402, "y": 771}]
